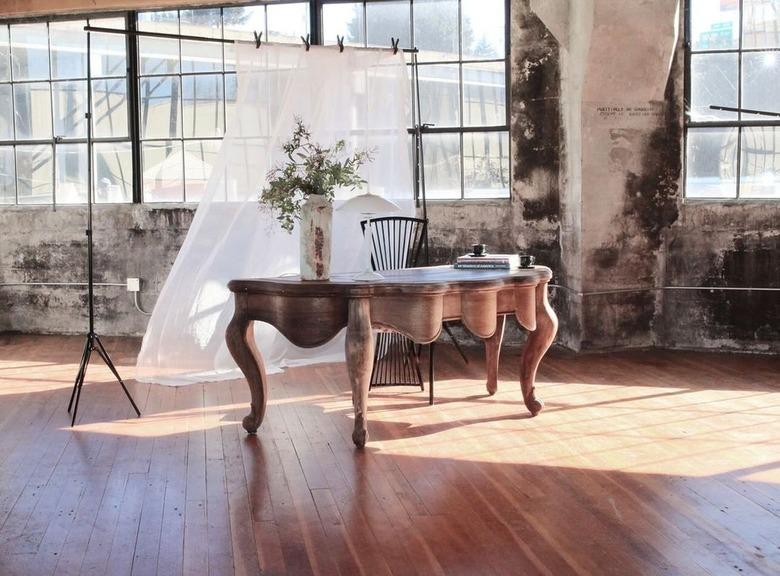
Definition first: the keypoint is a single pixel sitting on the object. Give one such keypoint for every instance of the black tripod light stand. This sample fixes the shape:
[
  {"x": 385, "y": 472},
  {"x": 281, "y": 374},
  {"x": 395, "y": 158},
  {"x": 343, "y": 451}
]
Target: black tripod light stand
[{"x": 93, "y": 342}]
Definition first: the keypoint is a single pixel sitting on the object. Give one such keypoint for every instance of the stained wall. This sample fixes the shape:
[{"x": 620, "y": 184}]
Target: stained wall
[{"x": 596, "y": 113}]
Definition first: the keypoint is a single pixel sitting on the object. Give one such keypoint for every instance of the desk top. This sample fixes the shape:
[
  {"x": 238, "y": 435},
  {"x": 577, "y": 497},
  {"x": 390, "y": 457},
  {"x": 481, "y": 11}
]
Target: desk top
[{"x": 430, "y": 279}]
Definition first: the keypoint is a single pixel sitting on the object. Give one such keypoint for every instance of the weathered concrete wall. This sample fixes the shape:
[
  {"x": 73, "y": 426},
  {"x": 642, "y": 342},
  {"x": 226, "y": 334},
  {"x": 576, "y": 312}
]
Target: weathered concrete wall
[
  {"x": 42, "y": 245},
  {"x": 531, "y": 220},
  {"x": 596, "y": 136},
  {"x": 722, "y": 244}
]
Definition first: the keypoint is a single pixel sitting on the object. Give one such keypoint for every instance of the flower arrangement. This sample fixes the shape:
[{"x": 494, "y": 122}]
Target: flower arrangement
[{"x": 310, "y": 170}]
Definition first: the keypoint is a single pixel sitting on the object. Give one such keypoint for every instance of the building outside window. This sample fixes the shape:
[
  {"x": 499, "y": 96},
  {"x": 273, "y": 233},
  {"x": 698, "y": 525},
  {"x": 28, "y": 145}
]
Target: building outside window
[{"x": 733, "y": 55}]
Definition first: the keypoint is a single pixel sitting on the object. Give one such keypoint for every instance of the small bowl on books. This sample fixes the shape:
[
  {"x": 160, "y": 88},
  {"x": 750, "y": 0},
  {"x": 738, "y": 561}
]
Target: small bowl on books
[{"x": 478, "y": 250}]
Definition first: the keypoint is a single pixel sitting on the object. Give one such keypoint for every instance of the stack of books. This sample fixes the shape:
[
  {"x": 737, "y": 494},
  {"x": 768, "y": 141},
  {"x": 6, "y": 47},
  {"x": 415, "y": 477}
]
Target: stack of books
[{"x": 488, "y": 262}]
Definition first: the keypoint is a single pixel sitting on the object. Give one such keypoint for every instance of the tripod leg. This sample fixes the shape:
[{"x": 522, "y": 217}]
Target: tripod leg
[
  {"x": 107, "y": 359},
  {"x": 80, "y": 381},
  {"x": 448, "y": 330},
  {"x": 79, "y": 375}
]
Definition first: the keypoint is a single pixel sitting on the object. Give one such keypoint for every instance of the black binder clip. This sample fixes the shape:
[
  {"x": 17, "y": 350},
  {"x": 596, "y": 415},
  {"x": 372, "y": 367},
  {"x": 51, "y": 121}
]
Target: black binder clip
[
  {"x": 306, "y": 42},
  {"x": 258, "y": 39},
  {"x": 340, "y": 40},
  {"x": 394, "y": 43}
]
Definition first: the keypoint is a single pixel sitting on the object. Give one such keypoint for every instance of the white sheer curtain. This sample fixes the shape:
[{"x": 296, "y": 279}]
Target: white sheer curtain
[{"x": 359, "y": 95}]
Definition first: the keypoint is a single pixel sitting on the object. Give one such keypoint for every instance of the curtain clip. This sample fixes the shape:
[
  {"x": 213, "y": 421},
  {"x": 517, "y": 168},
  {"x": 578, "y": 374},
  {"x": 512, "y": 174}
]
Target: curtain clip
[
  {"x": 394, "y": 44},
  {"x": 306, "y": 42},
  {"x": 340, "y": 40},
  {"x": 258, "y": 39}
]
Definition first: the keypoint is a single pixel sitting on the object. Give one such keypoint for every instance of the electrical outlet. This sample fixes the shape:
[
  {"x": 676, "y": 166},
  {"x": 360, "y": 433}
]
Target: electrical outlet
[{"x": 133, "y": 284}]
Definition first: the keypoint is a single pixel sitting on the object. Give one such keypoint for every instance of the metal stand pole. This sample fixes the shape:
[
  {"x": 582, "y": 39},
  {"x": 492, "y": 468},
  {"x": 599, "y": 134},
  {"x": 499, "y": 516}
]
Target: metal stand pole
[
  {"x": 93, "y": 342},
  {"x": 419, "y": 157}
]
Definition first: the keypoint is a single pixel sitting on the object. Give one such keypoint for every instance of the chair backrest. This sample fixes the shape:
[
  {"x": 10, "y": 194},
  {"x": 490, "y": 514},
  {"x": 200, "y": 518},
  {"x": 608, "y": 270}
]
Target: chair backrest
[{"x": 397, "y": 241}]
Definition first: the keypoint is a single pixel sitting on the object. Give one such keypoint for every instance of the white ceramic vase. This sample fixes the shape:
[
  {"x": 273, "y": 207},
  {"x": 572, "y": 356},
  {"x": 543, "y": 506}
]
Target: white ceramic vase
[{"x": 316, "y": 221}]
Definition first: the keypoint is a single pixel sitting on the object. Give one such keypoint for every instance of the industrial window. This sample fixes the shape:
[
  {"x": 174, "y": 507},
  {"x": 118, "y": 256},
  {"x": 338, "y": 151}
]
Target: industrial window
[
  {"x": 462, "y": 67},
  {"x": 161, "y": 105},
  {"x": 187, "y": 89},
  {"x": 733, "y": 62},
  {"x": 43, "y": 100}
]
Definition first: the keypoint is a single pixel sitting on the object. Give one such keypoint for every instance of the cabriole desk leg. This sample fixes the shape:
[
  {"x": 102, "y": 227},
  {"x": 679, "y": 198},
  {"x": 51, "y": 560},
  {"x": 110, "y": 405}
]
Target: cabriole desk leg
[
  {"x": 360, "y": 357},
  {"x": 240, "y": 337},
  {"x": 537, "y": 344},
  {"x": 492, "y": 353}
]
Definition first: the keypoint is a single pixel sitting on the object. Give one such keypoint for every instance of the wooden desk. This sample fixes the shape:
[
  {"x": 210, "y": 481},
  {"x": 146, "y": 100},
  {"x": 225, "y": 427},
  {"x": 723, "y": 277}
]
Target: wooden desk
[{"x": 413, "y": 302}]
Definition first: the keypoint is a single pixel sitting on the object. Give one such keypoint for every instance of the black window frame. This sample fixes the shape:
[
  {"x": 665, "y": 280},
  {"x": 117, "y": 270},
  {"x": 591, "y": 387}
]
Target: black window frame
[
  {"x": 742, "y": 121},
  {"x": 461, "y": 130},
  {"x": 134, "y": 77},
  {"x": 56, "y": 140}
]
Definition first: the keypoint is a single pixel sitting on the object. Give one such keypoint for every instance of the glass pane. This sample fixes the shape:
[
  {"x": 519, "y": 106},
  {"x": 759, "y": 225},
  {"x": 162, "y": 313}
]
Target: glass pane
[
  {"x": 201, "y": 56},
  {"x": 388, "y": 19},
  {"x": 711, "y": 163},
  {"x": 113, "y": 172},
  {"x": 160, "y": 109},
  {"x": 482, "y": 22},
  {"x": 343, "y": 20},
  {"x": 484, "y": 94},
  {"x": 109, "y": 108},
  {"x": 486, "y": 164},
  {"x": 760, "y": 164},
  {"x": 5, "y": 54},
  {"x": 29, "y": 51},
  {"x": 32, "y": 104},
  {"x": 7, "y": 175},
  {"x": 714, "y": 80},
  {"x": 204, "y": 113},
  {"x": 70, "y": 108},
  {"x": 158, "y": 55},
  {"x": 231, "y": 93},
  {"x": 760, "y": 24},
  {"x": 436, "y": 29},
  {"x": 71, "y": 173},
  {"x": 108, "y": 52},
  {"x": 6, "y": 113},
  {"x": 714, "y": 24},
  {"x": 205, "y": 23},
  {"x": 440, "y": 95},
  {"x": 288, "y": 22},
  {"x": 165, "y": 21},
  {"x": 240, "y": 23},
  {"x": 760, "y": 78},
  {"x": 35, "y": 174},
  {"x": 163, "y": 177},
  {"x": 68, "y": 49},
  {"x": 199, "y": 158},
  {"x": 442, "y": 165}
]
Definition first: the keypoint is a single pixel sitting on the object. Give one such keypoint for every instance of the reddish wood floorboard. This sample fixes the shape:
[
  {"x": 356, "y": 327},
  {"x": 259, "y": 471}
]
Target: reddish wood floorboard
[{"x": 644, "y": 462}]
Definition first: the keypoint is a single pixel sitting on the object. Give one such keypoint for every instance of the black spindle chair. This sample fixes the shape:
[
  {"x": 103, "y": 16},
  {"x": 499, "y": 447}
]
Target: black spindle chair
[{"x": 397, "y": 243}]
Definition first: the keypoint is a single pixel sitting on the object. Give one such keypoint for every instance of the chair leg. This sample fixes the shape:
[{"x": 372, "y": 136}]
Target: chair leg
[
  {"x": 448, "y": 330},
  {"x": 430, "y": 372}
]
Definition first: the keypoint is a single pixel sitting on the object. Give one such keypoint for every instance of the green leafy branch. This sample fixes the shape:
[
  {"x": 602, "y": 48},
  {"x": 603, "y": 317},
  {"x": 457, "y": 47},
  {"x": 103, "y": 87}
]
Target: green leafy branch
[{"x": 310, "y": 170}]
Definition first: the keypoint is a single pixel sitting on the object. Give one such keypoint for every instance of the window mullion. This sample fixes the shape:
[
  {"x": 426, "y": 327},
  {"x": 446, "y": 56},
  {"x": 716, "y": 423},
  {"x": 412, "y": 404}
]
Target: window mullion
[
  {"x": 53, "y": 134},
  {"x": 134, "y": 109},
  {"x": 739, "y": 99}
]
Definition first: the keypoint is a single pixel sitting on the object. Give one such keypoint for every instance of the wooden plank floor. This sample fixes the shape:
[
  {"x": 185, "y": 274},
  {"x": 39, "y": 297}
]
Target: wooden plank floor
[{"x": 642, "y": 463}]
